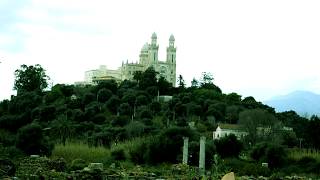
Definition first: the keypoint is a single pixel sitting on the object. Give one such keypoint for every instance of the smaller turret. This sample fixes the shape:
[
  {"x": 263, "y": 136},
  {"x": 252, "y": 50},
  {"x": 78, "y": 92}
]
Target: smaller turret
[
  {"x": 171, "y": 41},
  {"x": 154, "y": 39}
]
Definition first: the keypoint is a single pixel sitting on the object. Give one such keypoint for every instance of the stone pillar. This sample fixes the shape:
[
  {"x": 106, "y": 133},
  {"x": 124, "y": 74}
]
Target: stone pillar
[
  {"x": 202, "y": 155},
  {"x": 185, "y": 150}
]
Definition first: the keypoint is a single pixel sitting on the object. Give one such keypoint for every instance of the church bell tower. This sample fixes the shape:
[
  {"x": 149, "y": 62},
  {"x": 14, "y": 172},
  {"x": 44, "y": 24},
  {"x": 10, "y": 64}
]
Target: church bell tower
[
  {"x": 171, "y": 59},
  {"x": 153, "y": 50}
]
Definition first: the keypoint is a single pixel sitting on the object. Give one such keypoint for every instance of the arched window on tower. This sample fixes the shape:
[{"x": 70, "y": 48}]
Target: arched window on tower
[{"x": 172, "y": 58}]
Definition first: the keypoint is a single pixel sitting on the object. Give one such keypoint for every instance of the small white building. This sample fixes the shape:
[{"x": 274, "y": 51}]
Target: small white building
[{"x": 227, "y": 129}]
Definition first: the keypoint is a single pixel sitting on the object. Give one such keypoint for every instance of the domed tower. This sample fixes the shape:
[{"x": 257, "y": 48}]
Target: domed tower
[
  {"x": 144, "y": 54},
  {"x": 153, "y": 50},
  {"x": 171, "y": 59},
  {"x": 154, "y": 39}
]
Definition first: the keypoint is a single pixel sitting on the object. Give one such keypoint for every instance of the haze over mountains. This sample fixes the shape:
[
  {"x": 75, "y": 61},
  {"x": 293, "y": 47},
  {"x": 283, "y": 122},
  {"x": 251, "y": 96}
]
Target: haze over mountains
[{"x": 303, "y": 102}]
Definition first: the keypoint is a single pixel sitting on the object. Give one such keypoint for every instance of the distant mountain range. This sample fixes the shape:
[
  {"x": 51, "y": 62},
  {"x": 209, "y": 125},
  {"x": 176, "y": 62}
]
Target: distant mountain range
[{"x": 303, "y": 102}]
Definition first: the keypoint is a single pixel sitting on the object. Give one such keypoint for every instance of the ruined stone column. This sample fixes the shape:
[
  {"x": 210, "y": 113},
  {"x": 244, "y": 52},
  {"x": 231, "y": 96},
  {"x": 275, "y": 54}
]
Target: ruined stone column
[
  {"x": 202, "y": 155},
  {"x": 185, "y": 150}
]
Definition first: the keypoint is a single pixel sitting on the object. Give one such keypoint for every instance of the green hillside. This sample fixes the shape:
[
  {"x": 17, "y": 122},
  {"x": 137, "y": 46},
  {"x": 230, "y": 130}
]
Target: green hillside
[{"x": 129, "y": 124}]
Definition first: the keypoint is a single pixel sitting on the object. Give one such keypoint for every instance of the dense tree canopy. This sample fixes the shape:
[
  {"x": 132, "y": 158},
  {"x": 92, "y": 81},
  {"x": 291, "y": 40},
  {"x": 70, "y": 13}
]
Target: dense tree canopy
[
  {"x": 257, "y": 120},
  {"x": 30, "y": 78},
  {"x": 110, "y": 112}
]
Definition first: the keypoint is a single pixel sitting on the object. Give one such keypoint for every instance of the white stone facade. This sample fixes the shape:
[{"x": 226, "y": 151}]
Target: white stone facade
[
  {"x": 148, "y": 58},
  {"x": 102, "y": 73},
  {"x": 227, "y": 129}
]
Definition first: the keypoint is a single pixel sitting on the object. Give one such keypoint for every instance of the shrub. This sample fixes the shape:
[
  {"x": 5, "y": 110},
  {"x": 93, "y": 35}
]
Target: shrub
[
  {"x": 58, "y": 164},
  {"x": 72, "y": 151},
  {"x": 210, "y": 151},
  {"x": 10, "y": 152},
  {"x": 274, "y": 154},
  {"x": 14, "y": 122},
  {"x": 31, "y": 140},
  {"x": 166, "y": 147},
  {"x": 134, "y": 129},
  {"x": 254, "y": 170},
  {"x": 88, "y": 98},
  {"x": 229, "y": 146},
  {"x": 118, "y": 155},
  {"x": 259, "y": 151},
  {"x": 246, "y": 168},
  {"x": 113, "y": 103},
  {"x": 78, "y": 164},
  {"x": 98, "y": 119},
  {"x": 309, "y": 165},
  {"x": 47, "y": 113},
  {"x": 7, "y": 168},
  {"x": 137, "y": 154},
  {"x": 120, "y": 121},
  {"x": 125, "y": 109},
  {"x": 7, "y": 138},
  {"x": 100, "y": 139}
]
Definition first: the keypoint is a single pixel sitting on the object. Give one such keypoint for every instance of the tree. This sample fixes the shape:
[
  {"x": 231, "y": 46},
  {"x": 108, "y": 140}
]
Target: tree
[
  {"x": 298, "y": 123},
  {"x": 181, "y": 82},
  {"x": 207, "y": 78},
  {"x": 155, "y": 107},
  {"x": 254, "y": 119},
  {"x": 148, "y": 78},
  {"x": 125, "y": 109},
  {"x": 107, "y": 84},
  {"x": 232, "y": 113},
  {"x": 217, "y": 110},
  {"x": 30, "y": 78},
  {"x": 62, "y": 128},
  {"x": 24, "y": 102},
  {"x": 164, "y": 86},
  {"x": 141, "y": 100},
  {"x": 206, "y": 82},
  {"x": 4, "y": 107},
  {"x": 233, "y": 98},
  {"x": 194, "y": 83},
  {"x": 129, "y": 97},
  {"x": 113, "y": 103},
  {"x": 313, "y": 130},
  {"x": 137, "y": 75},
  {"x": 103, "y": 95}
]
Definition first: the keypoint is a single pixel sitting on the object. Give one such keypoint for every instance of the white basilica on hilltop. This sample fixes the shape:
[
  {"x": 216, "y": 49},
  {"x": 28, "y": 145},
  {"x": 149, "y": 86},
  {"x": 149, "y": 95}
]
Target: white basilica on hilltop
[{"x": 148, "y": 58}]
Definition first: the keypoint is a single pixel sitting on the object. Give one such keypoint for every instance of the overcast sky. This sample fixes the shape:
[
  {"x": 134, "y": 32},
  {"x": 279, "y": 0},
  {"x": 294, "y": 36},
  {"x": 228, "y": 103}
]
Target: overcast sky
[{"x": 258, "y": 48}]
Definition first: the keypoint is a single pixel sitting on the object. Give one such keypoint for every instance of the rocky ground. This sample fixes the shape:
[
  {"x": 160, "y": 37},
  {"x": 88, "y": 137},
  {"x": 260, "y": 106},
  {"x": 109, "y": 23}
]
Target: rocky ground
[{"x": 44, "y": 168}]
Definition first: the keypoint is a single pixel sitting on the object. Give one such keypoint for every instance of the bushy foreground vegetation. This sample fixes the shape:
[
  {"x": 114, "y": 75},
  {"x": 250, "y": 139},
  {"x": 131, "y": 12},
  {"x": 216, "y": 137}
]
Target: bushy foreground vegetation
[
  {"x": 72, "y": 151},
  {"x": 128, "y": 125}
]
